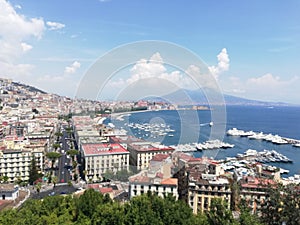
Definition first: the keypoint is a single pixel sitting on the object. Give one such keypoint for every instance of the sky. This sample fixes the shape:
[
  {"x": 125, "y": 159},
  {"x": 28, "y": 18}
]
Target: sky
[{"x": 251, "y": 48}]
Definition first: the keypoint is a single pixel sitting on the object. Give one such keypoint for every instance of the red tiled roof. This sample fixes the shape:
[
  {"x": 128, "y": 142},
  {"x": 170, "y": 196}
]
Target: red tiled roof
[
  {"x": 254, "y": 182},
  {"x": 159, "y": 157},
  {"x": 105, "y": 190},
  {"x": 169, "y": 181},
  {"x": 103, "y": 149}
]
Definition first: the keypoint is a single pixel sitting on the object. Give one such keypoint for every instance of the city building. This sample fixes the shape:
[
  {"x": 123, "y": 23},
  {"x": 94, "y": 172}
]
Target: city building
[
  {"x": 99, "y": 158},
  {"x": 15, "y": 163},
  {"x": 9, "y": 192},
  {"x": 141, "y": 154},
  {"x": 157, "y": 179}
]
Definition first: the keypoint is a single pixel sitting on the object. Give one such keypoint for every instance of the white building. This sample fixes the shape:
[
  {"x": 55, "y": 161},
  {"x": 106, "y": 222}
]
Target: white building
[
  {"x": 162, "y": 187},
  {"x": 9, "y": 192},
  {"x": 15, "y": 163},
  {"x": 101, "y": 157}
]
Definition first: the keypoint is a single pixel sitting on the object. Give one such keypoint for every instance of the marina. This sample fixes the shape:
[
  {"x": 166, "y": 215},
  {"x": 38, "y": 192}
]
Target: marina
[
  {"x": 265, "y": 156},
  {"x": 275, "y": 139}
]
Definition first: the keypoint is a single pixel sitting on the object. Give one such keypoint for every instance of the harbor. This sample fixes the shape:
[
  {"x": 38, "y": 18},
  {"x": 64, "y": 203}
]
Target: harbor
[{"x": 275, "y": 139}]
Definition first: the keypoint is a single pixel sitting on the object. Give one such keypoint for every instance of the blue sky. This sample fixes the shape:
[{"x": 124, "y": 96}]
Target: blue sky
[{"x": 51, "y": 44}]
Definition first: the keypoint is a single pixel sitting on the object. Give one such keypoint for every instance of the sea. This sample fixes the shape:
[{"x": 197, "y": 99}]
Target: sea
[{"x": 196, "y": 126}]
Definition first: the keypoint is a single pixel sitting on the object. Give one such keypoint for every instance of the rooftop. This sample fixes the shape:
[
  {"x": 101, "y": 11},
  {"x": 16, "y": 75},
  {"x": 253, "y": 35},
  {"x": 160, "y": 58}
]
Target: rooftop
[
  {"x": 149, "y": 147},
  {"x": 103, "y": 149}
]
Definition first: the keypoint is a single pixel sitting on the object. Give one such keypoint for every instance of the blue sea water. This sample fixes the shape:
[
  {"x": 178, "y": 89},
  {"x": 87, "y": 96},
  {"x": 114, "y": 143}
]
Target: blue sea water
[{"x": 193, "y": 126}]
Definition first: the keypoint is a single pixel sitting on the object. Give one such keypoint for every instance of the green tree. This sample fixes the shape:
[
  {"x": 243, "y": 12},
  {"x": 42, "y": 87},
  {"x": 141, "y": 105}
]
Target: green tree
[
  {"x": 246, "y": 217},
  {"x": 56, "y": 146},
  {"x": 38, "y": 187},
  {"x": 54, "y": 180},
  {"x": 72, "y": 153},
  {"x": 34, "y": 174},
  {"x": 108, "y": 175},
  {"x": 87, "y": 202},
  {"x": 219, "y": 213},
  {"x": 58, "y": 135},
  {"x": 123, "y": 175},
  {"x": 69, "y": 131},
  {"x": 5, "y": 179},
  {"x": 109, "y": 214},
  {"x": 53, "y": 156},
  {"x": 282, "y": 205}
]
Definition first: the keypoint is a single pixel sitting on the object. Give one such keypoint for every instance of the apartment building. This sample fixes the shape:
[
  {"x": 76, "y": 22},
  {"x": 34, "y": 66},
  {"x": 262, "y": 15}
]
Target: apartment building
[
  {"x": 15, "y": 163},
  {"x": 157, "y": 179},
  {"x": 101, "y": 157},
  {"x": 142, "y": 153},
  {"x": 199, "y": 181}
]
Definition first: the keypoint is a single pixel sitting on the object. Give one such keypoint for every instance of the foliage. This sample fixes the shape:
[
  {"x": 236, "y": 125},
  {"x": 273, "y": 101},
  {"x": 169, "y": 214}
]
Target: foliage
[
  {"x": 56, "y": 146},
  {"x": 72, "y": 153},
  {"x": 94, "y": 208},
  {"x": 121, "y": 175},
  {"x": 219, "y": 213},
  {"x": 54, "y": 180},
  {"x": 34, "y": 174},
  {"x": 282, "y": 205},
  {"x": 246, "y": 217},
  {"x": 53, "y": 156}
]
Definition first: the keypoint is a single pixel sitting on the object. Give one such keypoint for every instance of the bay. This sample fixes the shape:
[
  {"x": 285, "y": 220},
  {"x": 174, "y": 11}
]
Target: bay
[{"x": 190, "y": 126}]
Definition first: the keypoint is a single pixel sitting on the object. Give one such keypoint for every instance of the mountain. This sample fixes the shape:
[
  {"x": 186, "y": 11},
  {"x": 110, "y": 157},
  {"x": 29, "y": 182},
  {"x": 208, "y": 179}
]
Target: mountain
[{"x": 208, "y": 96}]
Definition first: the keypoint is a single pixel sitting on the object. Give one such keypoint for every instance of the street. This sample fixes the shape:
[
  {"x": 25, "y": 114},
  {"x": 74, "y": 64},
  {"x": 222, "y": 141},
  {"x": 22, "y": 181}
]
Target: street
[{"x": 64, "y": 168}]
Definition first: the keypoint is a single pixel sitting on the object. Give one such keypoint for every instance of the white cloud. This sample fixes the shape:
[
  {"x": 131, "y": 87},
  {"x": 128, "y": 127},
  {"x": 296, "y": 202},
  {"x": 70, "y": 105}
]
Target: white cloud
[
  {"x": 16, "y": 71},
  {"x": 15, "y": 30},
  {"x": 153, "y": 75},
  {"x": 26, "y": 47},
  {"x": 18, "y": 6},
  {"x": 223, "y": 64},
  {"x": 267, "y": 80},
  {"x": 266, "y": 87},
  {"x": 72, "y": 68},
  {"x": 55, "y": 25}
]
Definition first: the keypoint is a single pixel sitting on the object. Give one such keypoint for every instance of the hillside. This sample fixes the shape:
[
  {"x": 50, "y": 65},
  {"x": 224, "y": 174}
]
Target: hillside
[{"x": 202, "y": 97}]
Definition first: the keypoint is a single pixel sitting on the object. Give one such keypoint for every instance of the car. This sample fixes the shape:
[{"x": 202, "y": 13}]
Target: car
[{"x": 52, "y": 193}]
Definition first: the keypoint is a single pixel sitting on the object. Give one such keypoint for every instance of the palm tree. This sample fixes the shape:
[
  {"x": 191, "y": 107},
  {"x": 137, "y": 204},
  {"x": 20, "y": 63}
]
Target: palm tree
[
  {"x": 72, "y": 153},
  {"x": 53, "y": 156},
  {"x": 58, "y": 135},
  {"x": 38, "y": 187},
  {"x": 56, "y": 146},
  {"x": 54, "y": 180}
]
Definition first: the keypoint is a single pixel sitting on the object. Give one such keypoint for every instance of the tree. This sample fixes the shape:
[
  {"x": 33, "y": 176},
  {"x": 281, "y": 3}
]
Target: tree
[
  {"x": 58, "y": 134},
  {"x": 33, "y": 172},
  {"x": 246, "y": 217},
  {"x": 219, "y": 213},
  {"x": 56, "y": 146},
  {"x": 282, "y": 205},
  {"x": 72, "y": 153},
  {"x": 69, "y": 130},
  {"x": 38, "y": 187},
  {"x": 53, "y": 156},
  {"x": 54, "y": 180},
  {"x": 5, "y": 179},
  {"x": 123, "y": 175},
  {"x": 87, "y": 202},
  {"x": 108, "y": 175}
]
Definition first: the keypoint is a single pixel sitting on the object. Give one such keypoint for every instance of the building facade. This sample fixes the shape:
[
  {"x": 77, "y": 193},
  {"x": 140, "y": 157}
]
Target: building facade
[{"x": 103, "y": 157}]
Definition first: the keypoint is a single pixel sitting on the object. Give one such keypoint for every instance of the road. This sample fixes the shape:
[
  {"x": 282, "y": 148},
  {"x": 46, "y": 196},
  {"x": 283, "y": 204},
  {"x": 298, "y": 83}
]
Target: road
[
  {"x": 64, "y": 167},
  {"x": 58, "y": 190}
]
